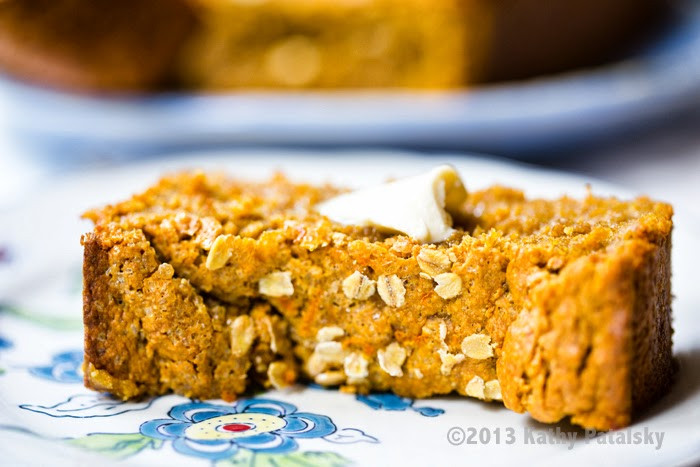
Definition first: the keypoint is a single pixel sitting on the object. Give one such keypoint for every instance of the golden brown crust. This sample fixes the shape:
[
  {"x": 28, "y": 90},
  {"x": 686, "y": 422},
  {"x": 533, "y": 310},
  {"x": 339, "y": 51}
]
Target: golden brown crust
[
  {"x": 570, "y": 350},
  {"x": 562, "y": 306},
  {"x": 653, "y": 365}
]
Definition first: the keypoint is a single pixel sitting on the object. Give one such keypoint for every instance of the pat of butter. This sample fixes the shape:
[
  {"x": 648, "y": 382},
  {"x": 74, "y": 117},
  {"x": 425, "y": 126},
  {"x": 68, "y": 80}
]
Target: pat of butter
[{"x": 417, "y": 206}]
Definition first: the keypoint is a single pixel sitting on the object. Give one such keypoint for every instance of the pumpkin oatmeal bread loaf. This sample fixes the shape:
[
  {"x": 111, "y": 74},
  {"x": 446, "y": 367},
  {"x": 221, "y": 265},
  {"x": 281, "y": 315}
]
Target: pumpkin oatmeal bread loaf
[
  {"x": 404, "y": 43},
  {"x": 231, "y": 44},
  {"x": 556, "y": 307}
]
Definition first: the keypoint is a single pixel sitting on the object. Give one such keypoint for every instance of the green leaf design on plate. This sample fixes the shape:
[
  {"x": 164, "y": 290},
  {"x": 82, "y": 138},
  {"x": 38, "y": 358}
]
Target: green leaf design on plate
[
  {"x": 117, "y": 445},
  {"x": 52, "y": 322},
  {"x": 247, "y": 458},
  {"x": 242, "y": 458},
  {"x": 2, "y": 371}
]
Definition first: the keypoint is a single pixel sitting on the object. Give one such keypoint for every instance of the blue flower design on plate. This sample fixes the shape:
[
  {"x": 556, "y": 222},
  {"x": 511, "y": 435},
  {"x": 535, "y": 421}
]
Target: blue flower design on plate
[
  {"x": 65, "y": 367},
  {"x": 217, "y": 432},
  {"x": 5, "y": 343},
  {"x": 388, "y": 401}
]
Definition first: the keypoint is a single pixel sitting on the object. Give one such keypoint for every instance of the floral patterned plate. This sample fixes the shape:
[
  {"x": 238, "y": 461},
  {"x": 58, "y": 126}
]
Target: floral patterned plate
[{"x": 47, "y": 417}]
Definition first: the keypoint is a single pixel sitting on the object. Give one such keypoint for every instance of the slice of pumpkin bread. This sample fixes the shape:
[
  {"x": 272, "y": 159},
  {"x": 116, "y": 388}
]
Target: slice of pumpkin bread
[
  {"x": 148, "y": 332},
  {"x": 557, "y": 307}
]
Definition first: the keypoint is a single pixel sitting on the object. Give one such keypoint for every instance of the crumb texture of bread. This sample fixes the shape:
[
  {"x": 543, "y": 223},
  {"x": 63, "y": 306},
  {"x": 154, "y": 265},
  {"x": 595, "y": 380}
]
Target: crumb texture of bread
[
  {"x": 203, "y": 284},
  {"x": 148, "y": 332}
]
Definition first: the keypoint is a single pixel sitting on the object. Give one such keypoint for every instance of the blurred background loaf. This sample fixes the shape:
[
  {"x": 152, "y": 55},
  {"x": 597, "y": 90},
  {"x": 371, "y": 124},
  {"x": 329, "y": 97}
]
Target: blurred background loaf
[{"x": 223, "y": 44}]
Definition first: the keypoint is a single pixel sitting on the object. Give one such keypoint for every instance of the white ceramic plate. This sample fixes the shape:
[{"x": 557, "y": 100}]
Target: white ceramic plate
[
  {"x": 47, "y": 417},
  {"x": 522, "y": 118}
]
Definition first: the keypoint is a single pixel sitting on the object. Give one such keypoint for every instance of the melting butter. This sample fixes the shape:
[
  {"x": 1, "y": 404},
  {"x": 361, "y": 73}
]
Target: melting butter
[{"x": 418, "y": 206}]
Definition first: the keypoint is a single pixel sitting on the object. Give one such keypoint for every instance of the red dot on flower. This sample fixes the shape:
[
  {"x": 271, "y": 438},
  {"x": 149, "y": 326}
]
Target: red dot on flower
[{"x": 236, "y": 427}]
